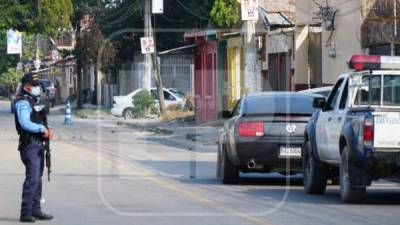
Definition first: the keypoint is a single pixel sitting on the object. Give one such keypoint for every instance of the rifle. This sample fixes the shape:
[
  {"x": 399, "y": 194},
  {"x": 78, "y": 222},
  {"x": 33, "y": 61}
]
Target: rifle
[
  {"x": 47, "y": 150},
  {"x": 48, "y": 157}
]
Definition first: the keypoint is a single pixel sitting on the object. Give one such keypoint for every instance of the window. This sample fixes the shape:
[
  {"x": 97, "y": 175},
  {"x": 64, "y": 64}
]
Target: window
[
  {"x": 168, "y": 96},
  {"x": 333, "y": 97},
  {"x": 343, "y": 99},
  {"x": 279, "y": 103},
  {"x": 236, "y": 110},
  {"x": 370, "y": 91},
  {"x": 391, "y": 91}
]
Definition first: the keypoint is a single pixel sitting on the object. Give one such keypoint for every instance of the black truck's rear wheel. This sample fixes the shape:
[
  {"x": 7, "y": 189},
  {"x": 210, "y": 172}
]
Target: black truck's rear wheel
[
  {"x": 314, "y": 175},
  {"x": 348, "y": 193}
]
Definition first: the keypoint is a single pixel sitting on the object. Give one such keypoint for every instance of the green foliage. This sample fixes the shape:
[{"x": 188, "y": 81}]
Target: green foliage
[
  {"x": 10, "y": 78},
  {"x": 10, "y": 61},
  {"x": 141, "y": 101},
  {"x": 91, "y": 42},
  {"x": 45, "y": 16},
  {"x": 225, "y": 13}
]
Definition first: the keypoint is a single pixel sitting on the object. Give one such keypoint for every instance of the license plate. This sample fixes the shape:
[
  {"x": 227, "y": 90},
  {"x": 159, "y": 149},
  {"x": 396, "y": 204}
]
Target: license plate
[{"x": 290, "y": 152}]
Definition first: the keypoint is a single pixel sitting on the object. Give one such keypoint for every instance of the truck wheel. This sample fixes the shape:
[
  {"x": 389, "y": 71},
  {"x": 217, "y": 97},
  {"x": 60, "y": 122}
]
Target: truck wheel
[
  {"x": 314, "y": 175},
  {"x": 230, "y": 172},
  {"x": 348, "y": 193}
]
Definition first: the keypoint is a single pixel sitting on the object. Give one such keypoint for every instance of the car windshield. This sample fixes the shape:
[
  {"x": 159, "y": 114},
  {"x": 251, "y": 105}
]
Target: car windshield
[
  {"x": 370, "y": 91},
  {"x": 279, "y": 104},
  {"x": 177, "y": 93}
]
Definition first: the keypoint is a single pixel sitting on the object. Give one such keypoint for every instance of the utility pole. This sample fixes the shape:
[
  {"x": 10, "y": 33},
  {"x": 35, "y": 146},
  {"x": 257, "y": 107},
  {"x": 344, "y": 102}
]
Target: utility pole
[
  {"x": 249, "y": 11},
  {"x": 78, "y": 66},
  {"x": 393, "y": 46},
  {"x": 250, "y": 57},
  {"x": 151, "y": 61},
  {"x": 37, "y": 58},
  {"x": 156, "y": 63},
  {"x": 146, "y": 80}
]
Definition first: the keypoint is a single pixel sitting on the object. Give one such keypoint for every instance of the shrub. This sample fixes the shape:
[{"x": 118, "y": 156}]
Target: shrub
[{"x": 141, "y": 101}]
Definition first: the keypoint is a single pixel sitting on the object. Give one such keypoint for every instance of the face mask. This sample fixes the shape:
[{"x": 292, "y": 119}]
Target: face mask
[{"x": 36, "y": 91}]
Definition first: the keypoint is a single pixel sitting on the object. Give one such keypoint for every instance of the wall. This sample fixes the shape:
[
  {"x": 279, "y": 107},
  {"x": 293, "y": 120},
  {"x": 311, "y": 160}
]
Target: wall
[
  {"x": 301, "y": 77},
  {"x": 235, "y": 61},
  {"x": 346, "y": 39}
]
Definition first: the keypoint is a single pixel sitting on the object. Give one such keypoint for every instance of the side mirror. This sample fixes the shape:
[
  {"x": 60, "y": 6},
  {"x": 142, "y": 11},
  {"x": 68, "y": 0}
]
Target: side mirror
[{"x": 319, "y": 102}]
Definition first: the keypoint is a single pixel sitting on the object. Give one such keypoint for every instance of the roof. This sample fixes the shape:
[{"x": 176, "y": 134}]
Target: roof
[
  {"x": 286, "y": 7},
  {"x": 277, "y": 13},
  {"x": 174, "y": 50},
  {"x": 279, "y": 94},
  {"x": 274, "y": 20},
  {"x": 312, "y": 90}
]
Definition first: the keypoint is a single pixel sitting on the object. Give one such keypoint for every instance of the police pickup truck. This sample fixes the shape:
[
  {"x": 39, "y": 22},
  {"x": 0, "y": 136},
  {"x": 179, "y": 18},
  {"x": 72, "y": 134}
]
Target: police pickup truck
[{"x": 355, "y": 137}]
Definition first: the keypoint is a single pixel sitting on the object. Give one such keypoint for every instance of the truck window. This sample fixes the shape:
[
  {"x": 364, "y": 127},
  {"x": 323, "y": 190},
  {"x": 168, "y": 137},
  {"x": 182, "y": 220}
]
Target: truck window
[
  {"x": 370, "y": 91},
  {"x": 333, "y": 97},
  {"x": 391, "y": 91},
  {"x": 345, "y": 93}
]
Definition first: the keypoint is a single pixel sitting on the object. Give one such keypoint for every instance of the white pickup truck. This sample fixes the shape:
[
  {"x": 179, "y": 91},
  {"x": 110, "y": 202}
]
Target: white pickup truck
[{"x": 356, "y": 135}]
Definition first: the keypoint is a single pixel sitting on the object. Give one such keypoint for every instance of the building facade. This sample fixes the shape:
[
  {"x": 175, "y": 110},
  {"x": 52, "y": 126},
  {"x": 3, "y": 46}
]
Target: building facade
[{"x": 329, "y": 32}]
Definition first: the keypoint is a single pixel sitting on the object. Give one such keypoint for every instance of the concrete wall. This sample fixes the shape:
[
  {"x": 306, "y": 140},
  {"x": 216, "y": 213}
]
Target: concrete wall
[
  {"x": 301, "y": 72},
  {"x": 304, "y": 11},
  {"x": 345, "y": 40}
]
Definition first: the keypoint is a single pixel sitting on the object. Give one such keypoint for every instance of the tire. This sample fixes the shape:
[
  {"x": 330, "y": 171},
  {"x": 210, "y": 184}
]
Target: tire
[
  {"x": 349, "y": 194},
  {"x": 314, "y": 175},
  {"x": 127, "y": 114},
  {"x": 219, "y": 162},
  {"x": 229, "y": 172}
]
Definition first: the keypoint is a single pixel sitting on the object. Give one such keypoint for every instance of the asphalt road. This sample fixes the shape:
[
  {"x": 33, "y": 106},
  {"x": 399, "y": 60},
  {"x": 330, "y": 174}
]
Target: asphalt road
[{"x": 104, "y": 174}]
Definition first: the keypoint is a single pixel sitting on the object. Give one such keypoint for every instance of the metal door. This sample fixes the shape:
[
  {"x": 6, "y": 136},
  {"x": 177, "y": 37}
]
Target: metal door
[{"x": 206, "y": 83}]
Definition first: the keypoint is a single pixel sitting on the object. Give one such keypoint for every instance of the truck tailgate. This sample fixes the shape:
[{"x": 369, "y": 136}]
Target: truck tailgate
[{"x": 387, "y": 131}]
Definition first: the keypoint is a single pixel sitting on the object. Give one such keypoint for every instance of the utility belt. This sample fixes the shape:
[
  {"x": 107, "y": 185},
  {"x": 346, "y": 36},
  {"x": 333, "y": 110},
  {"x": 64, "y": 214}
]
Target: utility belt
[{"x": 26, "y": 139}]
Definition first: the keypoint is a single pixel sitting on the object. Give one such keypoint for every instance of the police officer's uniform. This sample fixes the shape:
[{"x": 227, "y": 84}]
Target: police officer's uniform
[{"x": 31, "y": 123}]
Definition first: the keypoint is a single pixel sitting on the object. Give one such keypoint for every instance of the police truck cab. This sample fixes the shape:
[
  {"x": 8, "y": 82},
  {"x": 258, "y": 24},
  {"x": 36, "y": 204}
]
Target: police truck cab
[{"x": 355, "y": 137}]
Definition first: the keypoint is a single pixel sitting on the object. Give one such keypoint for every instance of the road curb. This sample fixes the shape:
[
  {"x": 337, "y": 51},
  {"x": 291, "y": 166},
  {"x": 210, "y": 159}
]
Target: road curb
[{"x": 157, "y": 130}]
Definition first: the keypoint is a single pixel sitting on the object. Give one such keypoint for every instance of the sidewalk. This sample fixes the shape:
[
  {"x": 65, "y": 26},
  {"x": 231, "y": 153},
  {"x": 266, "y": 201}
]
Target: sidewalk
[{"x": 179, "y": 131}]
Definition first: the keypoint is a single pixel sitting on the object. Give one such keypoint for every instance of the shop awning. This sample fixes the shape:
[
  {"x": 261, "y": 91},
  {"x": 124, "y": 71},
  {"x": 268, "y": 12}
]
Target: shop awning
[{"x": 274, "y": 20}]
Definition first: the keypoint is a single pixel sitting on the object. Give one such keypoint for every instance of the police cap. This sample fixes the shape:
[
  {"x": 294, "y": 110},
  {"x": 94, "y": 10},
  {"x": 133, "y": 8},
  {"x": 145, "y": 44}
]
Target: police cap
[{"x": 30, "y": 78}]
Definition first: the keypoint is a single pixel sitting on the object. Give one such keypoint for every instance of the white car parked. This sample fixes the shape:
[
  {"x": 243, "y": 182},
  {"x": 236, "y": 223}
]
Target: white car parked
[{"x": 122, "y": 105}]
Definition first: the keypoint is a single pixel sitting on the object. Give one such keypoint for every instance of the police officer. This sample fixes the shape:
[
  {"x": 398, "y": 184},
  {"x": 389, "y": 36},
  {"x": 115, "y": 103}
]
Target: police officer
[{"x": 31, "y": 124}]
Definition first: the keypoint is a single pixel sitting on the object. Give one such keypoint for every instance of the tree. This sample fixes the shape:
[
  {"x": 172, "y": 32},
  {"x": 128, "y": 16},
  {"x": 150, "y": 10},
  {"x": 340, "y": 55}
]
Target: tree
[
  {"x": 80, "y": 8},
  {"x": 225, "y": 13},
  {"x": 8, "y": 61},
  {"x": 40, "y": 16},
  {"x": 10, "y": 79}
]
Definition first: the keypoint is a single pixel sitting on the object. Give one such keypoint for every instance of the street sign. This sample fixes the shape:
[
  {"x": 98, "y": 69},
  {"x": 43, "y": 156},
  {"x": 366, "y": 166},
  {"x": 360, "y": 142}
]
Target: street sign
[
  {"x": 147, "y": 45},
  {"x": 158, "y": 6},
  {"x": 54, "y": 55},
  {"x": 14, "y": 42},
  {"x": 37, "y": 64},
  {"x": 249, "y": 10},
  {"x": 19, "y": 67}
]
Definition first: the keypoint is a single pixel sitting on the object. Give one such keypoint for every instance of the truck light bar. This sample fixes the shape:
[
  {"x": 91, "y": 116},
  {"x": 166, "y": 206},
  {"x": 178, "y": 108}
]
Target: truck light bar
[{"x": 374, "y": 62}]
